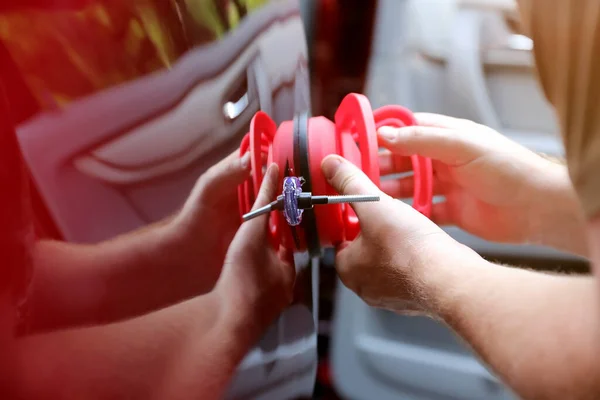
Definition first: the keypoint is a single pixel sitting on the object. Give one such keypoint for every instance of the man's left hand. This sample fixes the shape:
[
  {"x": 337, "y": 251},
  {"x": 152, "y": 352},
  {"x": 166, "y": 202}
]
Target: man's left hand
[{"x": 205, "y": 227}]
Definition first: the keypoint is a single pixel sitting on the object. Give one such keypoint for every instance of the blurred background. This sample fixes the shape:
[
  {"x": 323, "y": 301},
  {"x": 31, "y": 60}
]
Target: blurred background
[{"x": 122, "y": 104}]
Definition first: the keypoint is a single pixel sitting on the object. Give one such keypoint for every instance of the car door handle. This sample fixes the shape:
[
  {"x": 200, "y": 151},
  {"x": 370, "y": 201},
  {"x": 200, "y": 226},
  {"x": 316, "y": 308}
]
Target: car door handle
[{"x": 233, "y": 109}]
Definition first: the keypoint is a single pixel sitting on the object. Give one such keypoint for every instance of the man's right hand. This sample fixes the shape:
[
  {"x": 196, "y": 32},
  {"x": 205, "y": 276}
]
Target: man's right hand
[
  {"x": 494, "y": 188},
  {"x": 402, "y": 261}
]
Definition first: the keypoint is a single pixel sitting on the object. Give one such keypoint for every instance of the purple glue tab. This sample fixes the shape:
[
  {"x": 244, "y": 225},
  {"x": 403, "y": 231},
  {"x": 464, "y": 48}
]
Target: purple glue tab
[{"x": 292, "y": 187}]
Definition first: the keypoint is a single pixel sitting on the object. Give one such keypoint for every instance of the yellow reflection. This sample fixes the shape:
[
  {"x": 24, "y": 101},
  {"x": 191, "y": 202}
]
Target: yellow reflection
[{"x": 67, "y": 54}]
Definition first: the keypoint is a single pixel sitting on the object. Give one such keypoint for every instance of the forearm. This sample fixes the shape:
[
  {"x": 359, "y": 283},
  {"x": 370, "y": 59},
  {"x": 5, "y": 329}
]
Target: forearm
[
  {"x": 538, "y": 332},
  {"x": 557, "y": 220},
  {"x": 123, "y": 277},
  {"x": 185, "y": 351}
]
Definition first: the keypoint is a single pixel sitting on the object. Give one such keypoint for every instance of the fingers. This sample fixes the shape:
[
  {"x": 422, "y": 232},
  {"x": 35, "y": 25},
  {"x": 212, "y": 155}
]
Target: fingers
[
  {"x": 441, "y": 121},
  {"x": 346, "y": 179},
  {"x": 390, "y": 163},
  {"x": 256, "y": 229},
  {"x": 404, "y": 188},
  {"x": 267, "y": 190},
  {"x": 446, "y": 145},
  {"x": 222, "y": 178},
  {"x": 442, "y": 214},
  {"x": 230, "y": 171}
]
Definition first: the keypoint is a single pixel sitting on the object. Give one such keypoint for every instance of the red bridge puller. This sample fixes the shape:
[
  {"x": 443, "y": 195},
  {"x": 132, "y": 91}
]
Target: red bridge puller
[{"x": 298, "y": 147}]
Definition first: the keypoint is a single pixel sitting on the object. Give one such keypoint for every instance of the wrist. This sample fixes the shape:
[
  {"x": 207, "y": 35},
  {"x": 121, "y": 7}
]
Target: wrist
[
  {"x": 174, "y": 236},
  {"x": 556, "y": 219},
  {"x": 242, "y": 317},
  {"x": 447, "y": 272},
  {"x": 192, "y": 253}
]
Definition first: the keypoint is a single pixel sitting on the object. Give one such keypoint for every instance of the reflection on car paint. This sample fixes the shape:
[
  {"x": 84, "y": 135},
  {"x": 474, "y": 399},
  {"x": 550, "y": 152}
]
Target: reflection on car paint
[
  {"x": 146, "y": 141},
  {"x": 135, "y": 100},
  {"x": 68, "y": 52}
]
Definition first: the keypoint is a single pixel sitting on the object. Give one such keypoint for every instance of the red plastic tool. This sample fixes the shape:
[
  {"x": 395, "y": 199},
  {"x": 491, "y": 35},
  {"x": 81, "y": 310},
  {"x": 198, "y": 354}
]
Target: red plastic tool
[{"x": 298, "y": 147}]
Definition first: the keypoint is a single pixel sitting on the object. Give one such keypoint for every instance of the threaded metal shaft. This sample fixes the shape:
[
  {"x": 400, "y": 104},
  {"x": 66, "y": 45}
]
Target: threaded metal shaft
[
  {"x": 351, "y": 199},
  {"x": 313, "y": 200}
]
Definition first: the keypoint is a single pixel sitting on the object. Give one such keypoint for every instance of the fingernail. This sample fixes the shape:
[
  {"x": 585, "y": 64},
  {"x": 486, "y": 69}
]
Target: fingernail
[
  {"x": 387, "y": 132},
  {"x": 245, "y": 160},
  {"x": 330, "y": 166}
]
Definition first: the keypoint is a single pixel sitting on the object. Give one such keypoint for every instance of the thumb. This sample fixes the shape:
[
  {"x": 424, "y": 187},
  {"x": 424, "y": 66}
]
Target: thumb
[
  {"x": 257, "y": 228},
  {"x": 449, "y": 146},
  {"x": 346, "y": 179}
]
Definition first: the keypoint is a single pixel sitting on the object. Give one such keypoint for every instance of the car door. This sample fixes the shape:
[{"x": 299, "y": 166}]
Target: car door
[
  {"x": 134, "y": 100},
  {"x": 461, "y": 58}
]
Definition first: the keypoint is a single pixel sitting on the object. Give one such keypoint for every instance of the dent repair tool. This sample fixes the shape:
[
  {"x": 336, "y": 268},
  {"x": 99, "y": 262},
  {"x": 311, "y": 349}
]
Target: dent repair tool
[
  {"x": 293, "y": 201},
  {"x": 298, "y": 147}
]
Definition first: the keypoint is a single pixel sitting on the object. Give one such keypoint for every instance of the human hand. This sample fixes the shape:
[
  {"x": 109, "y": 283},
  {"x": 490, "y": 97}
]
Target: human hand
[
  {"x": 494, "y": 188},
  {"x": 256, "y": 279},
  {"x": 203, "y": 230},
  {"x": 395, "y": 260}
]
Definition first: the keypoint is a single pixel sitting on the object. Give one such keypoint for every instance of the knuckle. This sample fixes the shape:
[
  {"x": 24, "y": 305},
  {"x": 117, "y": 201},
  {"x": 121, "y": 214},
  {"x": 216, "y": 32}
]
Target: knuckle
[
  {"x": 453, "y": 138},
  {"x": 417, "y": 132},
  {"x": 352, "y": 277},
  {"x": 205, "y": 179},
  {"x": 212, "y": 174},
  {"x": 360, "y": 292},
  {"x": 202, "y": 187},
  {"x": 231, "y": 167},
  {"x": 345, "y": 273},
  {"x": 350, "y": 182}
]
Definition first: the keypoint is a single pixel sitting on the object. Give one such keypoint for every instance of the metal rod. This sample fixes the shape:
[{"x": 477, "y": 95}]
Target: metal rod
[
  {"x": 310, "y": 200},
  {"x": 351, "y": 199},
  {"x": 260, "y": 211}
]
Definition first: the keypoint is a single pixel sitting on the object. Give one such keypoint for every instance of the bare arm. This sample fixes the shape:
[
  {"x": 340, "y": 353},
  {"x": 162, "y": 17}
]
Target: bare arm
[
  {"x": 189, "y": 350},
  {"x": 81, "y": 284},
  {"x": 153, "y": 267},
  {"x": 559, "y": 222},
  {"x": 539, "y": 332},
  {"x": 542, "y": 332},
  {"x": 185, "y": 351}
]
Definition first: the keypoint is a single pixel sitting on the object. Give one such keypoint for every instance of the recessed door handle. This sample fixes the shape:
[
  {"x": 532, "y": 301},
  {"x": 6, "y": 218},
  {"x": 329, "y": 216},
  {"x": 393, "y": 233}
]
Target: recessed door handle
[{"x": 233, "y": 109}]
